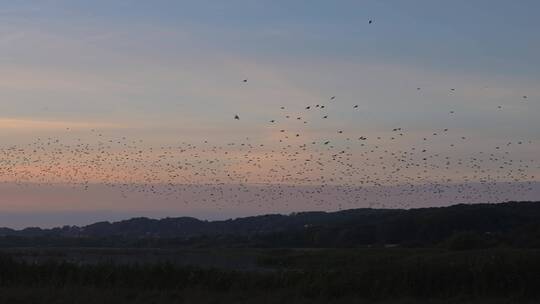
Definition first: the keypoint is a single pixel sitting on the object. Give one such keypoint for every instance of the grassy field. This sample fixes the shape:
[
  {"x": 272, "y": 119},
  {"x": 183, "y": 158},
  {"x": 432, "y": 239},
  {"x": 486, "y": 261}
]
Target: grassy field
[{"x": 395, "y": 275}]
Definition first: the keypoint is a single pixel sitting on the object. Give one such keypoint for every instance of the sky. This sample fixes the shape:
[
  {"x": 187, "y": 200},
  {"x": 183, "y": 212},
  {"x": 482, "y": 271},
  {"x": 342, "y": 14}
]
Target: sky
[{"x": 162, "y": 73}]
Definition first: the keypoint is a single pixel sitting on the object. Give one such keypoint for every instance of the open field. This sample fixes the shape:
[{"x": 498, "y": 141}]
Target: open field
[{"x": 391, "y": 275}]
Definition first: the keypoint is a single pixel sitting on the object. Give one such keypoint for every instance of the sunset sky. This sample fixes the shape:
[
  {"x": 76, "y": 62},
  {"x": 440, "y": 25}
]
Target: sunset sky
[{"x": 163, "y": 73}]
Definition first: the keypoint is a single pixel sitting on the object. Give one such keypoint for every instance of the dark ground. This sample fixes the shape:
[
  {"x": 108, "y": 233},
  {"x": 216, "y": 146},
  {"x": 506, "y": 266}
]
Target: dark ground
[
  {"x": 458, "y": 254},
  {"x": 234, "y": 275}
]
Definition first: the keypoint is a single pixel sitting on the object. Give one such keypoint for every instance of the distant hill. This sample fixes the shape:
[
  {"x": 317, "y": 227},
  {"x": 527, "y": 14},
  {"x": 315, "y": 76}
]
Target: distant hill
[{"x": 505, "y": 224}]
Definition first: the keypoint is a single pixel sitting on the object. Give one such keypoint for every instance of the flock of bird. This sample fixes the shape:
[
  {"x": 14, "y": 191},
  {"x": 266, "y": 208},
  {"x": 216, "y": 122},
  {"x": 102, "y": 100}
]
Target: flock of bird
[{"x": 394, "y": 168}]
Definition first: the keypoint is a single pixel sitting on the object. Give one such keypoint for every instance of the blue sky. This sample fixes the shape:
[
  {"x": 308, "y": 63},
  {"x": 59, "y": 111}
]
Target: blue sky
[
  {"x": 493, "y": 38},
  {"x": 467, "y": 34},
  {"x": 169, "y": 70},
  {"x": 490, "y": 40}
]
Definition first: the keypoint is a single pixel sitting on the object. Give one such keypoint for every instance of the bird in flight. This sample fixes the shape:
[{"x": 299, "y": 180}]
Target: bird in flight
[{"x": 236, "y": 117}]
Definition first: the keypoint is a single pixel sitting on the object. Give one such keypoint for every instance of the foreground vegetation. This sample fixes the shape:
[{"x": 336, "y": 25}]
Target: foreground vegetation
[
  {"x": 458, "y": 254},
  {"x": 292, "y": 276}
]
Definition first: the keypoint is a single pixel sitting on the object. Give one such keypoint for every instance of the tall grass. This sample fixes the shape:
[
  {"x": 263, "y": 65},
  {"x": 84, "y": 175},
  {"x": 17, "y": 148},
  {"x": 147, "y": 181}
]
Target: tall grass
[{"x": 323, "y": 275}]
